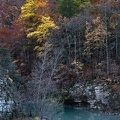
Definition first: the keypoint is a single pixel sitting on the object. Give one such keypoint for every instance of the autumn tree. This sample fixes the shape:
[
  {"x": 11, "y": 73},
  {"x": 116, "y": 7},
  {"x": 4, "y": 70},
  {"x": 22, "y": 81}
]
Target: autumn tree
[
  {"x": 8, "y": 14},
  {"x": 108, "y": 12},
  {"x": 95, "y": 36},
  {"x": 37, "y": 23}
]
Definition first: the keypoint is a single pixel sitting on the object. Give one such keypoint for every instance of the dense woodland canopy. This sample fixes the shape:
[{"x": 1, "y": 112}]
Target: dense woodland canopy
[{"x": 70, "y": 41}]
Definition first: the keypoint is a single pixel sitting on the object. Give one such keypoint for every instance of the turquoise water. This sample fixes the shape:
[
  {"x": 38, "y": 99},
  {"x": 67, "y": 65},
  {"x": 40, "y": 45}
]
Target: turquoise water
[{"x": 82, "y": 114}]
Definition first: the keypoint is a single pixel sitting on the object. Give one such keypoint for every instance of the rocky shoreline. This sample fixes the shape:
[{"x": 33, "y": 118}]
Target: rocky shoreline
[{"x": 101, "y": 96}]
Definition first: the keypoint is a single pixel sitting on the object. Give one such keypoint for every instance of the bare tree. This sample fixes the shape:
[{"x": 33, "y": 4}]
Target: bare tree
[{"x": 42, "y": 90}]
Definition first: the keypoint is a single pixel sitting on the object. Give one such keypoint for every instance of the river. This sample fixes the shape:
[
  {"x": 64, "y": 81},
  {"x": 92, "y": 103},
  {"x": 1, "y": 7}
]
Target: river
[{"x": 82, "y": 114}]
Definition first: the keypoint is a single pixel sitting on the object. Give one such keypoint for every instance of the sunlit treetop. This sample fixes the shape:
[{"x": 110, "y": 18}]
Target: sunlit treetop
[{"x": 36, "y": 20}]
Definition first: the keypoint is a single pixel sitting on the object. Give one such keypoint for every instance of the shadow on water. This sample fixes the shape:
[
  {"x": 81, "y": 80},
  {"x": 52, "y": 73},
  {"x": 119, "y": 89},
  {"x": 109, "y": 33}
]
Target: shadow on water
[{"x": 83, "y": 114}]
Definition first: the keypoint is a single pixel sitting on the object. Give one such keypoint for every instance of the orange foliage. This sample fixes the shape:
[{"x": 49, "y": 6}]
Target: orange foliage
[
  {"x": 6, "y": 36},
  {"x": 9, "y": 27},
  {"x": 10, "y": 35}
]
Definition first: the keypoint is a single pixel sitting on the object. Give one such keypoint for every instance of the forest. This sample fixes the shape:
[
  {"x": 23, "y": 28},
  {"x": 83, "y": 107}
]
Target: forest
[{"x": 56, "y": 53}]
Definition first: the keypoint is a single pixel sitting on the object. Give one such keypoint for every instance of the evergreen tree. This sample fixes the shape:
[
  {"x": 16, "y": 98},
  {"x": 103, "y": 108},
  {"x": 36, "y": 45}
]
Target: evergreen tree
[{"x": 68, "y": 8}]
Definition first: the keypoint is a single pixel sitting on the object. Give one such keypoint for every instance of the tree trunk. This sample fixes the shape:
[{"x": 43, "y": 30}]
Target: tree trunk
[
  {"x": 107, "y": 44},
  {"x": 118, "y": 43}
]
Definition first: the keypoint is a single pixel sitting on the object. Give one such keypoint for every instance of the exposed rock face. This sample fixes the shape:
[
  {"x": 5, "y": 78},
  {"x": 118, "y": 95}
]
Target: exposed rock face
[
  {"x": 5, "y": 101},
  {"x": 97, "y": 95}
]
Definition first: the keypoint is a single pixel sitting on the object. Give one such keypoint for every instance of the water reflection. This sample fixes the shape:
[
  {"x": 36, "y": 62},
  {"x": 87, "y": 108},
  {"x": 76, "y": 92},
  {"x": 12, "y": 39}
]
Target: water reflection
[{"x": 82, "y": 114}]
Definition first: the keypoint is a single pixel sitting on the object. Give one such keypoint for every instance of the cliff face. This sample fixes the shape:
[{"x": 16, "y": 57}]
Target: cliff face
[{"x": 100, "y": 95}]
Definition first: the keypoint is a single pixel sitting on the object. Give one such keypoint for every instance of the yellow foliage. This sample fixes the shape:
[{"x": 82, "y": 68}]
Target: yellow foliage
[
  {"x": 28, "y": 8},
  {"x": 28, "y": 15},
  {"x": 41, "y": 3},
  {"x": 36, "y": 22},
  {"x": 44, "y": 29}
]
